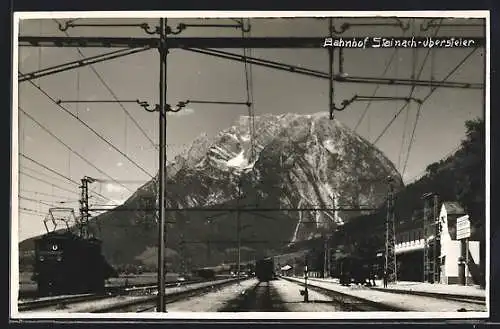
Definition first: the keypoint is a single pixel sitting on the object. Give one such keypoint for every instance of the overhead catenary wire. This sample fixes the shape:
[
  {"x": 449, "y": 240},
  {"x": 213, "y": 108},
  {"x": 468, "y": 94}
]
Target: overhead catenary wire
[
  {"x": 47, "y": 182},
  {"x": 47, "y": 168},
  {"x": 32, "y": 211},
  {"x": 419, "y": 109},
  {"x": 232, "y": 210},
  {"x": 408, "y": 109},
  {"x": 28, "y": 212},
  {"x": 113, "y": 94},
  {"x": 403, "y": 139},
  {"x": 412, "y": 90},
  {"x": 252, "y": 102},
  {"x": 80, "y": 63},
  {"x": 43, "y": 174},
  {"x": 40, "y": 50},
  {"x": 58, "y": 197},
  {"x": 417, "y": 176},
  {"x": 47, "y": 194},
  {"x": 428, "y": 95},
  {"x": 384, "y": 72},
  {"x": 38, "y": 201},
  {"x": 69, "y": 162},
  {"x": 68, "y": 147},
  {"x": 414, "y": 61},
  {"x": 53, "y": 202},
  {"x": 77, "y": 105},
  {"x": 58, "y": 174},
  {"x": 92, "y": 130},
  {"x": 233, "y": 241},
  {"x": 407, "y": 116},
  {"x": 451, "y": 72},
  {"x": 412, "y": 138}
]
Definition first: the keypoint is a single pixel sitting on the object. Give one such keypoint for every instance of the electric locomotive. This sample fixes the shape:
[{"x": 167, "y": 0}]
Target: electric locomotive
[{"x": 67, "y": 263}]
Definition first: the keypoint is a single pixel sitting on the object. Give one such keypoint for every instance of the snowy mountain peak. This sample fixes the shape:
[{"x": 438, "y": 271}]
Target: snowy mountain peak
[{"x": 300, "y": 162}]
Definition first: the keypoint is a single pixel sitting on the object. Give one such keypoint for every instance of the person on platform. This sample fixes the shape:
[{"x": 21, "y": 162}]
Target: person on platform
[{"x": 372, "y": 278}]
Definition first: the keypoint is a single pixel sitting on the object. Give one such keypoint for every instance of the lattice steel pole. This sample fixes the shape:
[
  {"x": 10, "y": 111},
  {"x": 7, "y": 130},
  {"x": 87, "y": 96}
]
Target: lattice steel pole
[
  {"x": 238, "y": 230},
  {"x": 428, "y": 268},
  {"x": 84, "y": 206},
  {"x": 426, "y": 245},
  {"x": 437, "y": 239},
  {"x": 390, "y": 238}
]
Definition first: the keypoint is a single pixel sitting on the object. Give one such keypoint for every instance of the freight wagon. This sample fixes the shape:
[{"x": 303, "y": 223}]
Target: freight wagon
[{"x": 264, "y": 270}]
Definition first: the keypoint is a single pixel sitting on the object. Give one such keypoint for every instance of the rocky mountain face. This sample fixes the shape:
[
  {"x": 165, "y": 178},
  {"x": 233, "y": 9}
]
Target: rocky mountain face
[{"x": 295, "y": 162}]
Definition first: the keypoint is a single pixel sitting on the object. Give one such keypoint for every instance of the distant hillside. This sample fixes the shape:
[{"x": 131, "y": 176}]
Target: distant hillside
[
  {"x": 300, "y": 161},
  {"x": 459, "y": 177}
]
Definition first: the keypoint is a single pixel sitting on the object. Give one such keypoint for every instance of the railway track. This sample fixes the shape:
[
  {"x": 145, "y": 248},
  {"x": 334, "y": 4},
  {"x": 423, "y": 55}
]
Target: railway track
[
  {"x": 262, "y": 297},
  {"x": 452, "y": 297},
  {"x": 148, "y": 304},
  {"x": 61, "y": 302},
  {"x": 58, "y": 302},
  {"x": 32, "y": 294},
  {"x": 348, "y": 302},
  {"x": 124, "y": 301}
]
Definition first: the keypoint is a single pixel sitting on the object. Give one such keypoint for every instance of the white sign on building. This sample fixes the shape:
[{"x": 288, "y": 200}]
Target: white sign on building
[{"x": 463, "y": 227}]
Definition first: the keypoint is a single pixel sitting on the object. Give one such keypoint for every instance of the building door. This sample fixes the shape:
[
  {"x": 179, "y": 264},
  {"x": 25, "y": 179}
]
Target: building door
[{"x": 443, "y": 271}]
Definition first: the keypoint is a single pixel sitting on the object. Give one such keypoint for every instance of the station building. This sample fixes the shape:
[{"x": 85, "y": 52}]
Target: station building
[
  {"x": 451, "y": 254},
  {"x": 445, "y": 262}
]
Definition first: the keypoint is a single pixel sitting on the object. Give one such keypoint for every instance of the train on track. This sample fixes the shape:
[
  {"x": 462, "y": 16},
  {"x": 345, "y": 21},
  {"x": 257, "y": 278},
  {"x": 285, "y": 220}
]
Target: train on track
[
  {"x": 246, "y": 270},
  {"x": 265, "y": 270},
  {"x": 355, "y": 270},
  {"x": 67, "y": 263},
  {"x": 207, "y": 273}
]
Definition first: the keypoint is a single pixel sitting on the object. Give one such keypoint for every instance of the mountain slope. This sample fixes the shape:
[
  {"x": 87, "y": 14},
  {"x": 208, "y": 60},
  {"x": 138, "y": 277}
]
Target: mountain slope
[{"x": 299, "y": 161}]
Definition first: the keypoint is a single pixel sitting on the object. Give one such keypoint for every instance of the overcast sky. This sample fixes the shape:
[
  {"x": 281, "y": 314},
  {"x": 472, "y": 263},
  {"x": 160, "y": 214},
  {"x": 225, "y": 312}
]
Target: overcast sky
[{"x": 194, "y": 76}]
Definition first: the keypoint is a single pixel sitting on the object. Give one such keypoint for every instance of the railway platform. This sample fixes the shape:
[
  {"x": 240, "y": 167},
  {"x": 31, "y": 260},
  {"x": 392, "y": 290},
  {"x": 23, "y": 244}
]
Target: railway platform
[
  {"x": 425, "y": 288},
  {"x": 434, "y": 288},
  {"x": 414, "y": 296}
]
